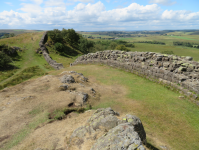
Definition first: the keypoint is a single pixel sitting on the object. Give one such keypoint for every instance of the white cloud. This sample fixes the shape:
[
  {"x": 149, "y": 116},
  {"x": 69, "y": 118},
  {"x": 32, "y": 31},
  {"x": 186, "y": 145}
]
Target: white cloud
[
  {"x": 95, "y": 16},
  {"x": 9, "y": 3},
  {"x": 180, "y": 15},
  {"x": 30, "y": 8},
  {"x": 133, "y": 12},
  {"x": 163, "y": 2}
]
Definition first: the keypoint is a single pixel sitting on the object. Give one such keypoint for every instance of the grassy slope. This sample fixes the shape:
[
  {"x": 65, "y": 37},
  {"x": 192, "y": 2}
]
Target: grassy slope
[{"x": 163, "y": 114}]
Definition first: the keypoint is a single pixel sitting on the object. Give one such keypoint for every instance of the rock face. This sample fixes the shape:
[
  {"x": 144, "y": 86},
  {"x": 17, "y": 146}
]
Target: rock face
[
  {"x": 122, "y": 137},
  {"x": 105, "y": 131},
  {"x": 168, "y": 69},
  {"x": 51, "y": 62}
]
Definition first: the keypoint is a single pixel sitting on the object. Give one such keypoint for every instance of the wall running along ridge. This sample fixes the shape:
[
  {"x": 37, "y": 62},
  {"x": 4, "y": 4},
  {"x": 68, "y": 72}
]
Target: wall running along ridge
[
  {"x": 179, "y": 72},
  {"x": 51, "y": 62}
]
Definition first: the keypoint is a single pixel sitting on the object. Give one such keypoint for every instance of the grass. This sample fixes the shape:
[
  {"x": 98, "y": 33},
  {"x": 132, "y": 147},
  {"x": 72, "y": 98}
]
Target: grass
[
  {"x": 163, "y": 114},
  {"x": 21, "y": 135},
  {"x": 182, "y": 37},
  {"x": 24, "y": 75},
  {"x": 177, "y": 50}
]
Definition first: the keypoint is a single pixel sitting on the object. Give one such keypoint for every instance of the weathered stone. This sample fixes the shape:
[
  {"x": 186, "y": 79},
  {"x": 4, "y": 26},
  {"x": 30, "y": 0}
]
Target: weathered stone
[
  {"x": 120, "y": 137},
  {"x": 67, "y": 79},
  {"x": 63, "y": 87},
  {"x": 189, "y": 58}
]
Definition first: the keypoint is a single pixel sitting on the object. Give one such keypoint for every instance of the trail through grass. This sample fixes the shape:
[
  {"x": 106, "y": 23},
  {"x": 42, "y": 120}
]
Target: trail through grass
[{"x": 28, "y": 57}]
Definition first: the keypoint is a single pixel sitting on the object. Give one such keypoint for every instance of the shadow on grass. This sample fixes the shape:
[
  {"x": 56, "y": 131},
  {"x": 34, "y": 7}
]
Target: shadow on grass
[
  {"x": 68, "y": 51},
  {"x": 151, "y": 147},
  {"x": 9, "y": 67}
]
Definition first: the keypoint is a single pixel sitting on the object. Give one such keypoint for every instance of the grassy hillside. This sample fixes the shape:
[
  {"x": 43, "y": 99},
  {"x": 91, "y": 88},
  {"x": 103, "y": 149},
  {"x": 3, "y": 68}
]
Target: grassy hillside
[
  {"x": 28, "y": 59},
  {"x": 167, "y": 119}
]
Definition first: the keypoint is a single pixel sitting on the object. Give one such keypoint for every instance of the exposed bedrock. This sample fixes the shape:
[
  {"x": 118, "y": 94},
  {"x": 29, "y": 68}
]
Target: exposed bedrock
[
  {"x": 105, "y": 131},
  {"x": 51, "y": 62},
  {"x": 179, "y": 72}
]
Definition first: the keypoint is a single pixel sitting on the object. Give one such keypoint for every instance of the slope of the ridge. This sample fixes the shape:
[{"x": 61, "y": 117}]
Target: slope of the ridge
[{"x": 29, "y": 59}]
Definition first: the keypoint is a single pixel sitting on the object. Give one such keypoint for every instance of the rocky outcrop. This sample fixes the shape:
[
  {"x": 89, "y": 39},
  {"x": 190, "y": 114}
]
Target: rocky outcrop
[
  {"x": 175, "y": 71},
  {"x": 51, "y": 62},
  {"x": 105, "y": 131}
]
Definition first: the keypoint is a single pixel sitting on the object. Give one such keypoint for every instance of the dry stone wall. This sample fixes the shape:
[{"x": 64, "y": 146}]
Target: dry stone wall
[
  {"x": 51, "y": 62},
  {"x": 175, "y": 71}
]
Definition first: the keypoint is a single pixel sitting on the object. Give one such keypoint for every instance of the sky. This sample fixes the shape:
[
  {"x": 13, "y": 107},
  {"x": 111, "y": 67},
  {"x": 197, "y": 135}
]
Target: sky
[{"x": 104, "y": 15}]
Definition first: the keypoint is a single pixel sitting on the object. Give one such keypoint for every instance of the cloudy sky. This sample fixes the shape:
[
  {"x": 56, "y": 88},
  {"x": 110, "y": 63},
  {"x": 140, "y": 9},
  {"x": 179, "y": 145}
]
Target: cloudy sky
[{"x": 94, "y": 15}]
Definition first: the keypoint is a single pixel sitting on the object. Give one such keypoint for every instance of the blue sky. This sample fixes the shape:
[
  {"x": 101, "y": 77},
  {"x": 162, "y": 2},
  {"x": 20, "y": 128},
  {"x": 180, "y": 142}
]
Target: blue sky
[{"x": 94, "y": 15}]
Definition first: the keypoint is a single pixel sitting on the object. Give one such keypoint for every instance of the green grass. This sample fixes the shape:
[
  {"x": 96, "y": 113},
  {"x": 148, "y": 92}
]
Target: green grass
[
  {"x": 161, "y": 111},
  {"x": 181, "y": 37},
  {"x": 24, "y": 75}
]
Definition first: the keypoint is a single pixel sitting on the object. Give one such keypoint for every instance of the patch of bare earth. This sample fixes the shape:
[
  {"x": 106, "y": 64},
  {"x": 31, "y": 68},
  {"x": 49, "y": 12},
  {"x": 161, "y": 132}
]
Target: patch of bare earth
[{"x": 24, "y": 103}]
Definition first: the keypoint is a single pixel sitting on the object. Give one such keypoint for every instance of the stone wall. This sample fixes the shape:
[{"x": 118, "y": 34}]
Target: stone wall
[
  {"x": 51, "y": 62},
  {"x": 179, "y": 72}
]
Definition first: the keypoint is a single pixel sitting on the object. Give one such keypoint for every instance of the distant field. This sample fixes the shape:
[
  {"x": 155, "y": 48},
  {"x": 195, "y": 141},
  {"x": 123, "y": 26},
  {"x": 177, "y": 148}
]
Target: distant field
[
  {"x": 178, "y": 50},
  {"x": 181, "y": 37},
  {"x": 19, "y": 31}
]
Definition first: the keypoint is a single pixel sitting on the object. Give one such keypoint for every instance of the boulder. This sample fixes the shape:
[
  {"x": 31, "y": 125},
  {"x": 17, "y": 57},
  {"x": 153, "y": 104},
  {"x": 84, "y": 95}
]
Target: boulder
[
  {"x": 105, "y": 131},
  {"x": 67, "y": 79},
  {"x": 121, "y": 137},
  {"x": 63, "y": 87}
]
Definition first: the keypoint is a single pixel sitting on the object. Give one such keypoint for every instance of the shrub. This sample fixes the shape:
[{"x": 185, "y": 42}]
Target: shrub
[
  {"x": 58, "y": 46},
  {"x": 55, "y": 35},
  {"x": 4, "y": 60},
  {"x": 122, "y": 47},
  {"x": 85, "y": 45},
  {"x": 129, "y": 45}
]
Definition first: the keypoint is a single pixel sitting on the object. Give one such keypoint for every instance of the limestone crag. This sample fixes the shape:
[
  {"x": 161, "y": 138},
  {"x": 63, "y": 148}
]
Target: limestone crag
[
  {"x": 176, "y": 71},
  {"x": 105, "y": 131},
  {"x": 51, "y": 62}
]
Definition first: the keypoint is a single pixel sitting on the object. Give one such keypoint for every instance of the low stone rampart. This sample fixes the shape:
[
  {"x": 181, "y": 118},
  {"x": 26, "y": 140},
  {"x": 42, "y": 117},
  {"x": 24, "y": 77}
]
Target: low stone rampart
[
  {"x": 51, "y": 62},
  {"x": 175, "y": 71}
]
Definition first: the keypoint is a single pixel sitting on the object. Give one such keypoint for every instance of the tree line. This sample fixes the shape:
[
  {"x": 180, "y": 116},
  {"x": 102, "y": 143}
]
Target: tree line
[
  {"x": 187, "y": 44},
  {"x": 64, "y": 37},
  {"x": 6, "y": 35},
  {"x": 151, "y": 42}
]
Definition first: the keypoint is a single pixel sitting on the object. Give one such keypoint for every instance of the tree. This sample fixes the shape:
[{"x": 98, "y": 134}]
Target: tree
[
  {"x": 6, "y": 35},
  {"x": 85, "y": 45},
  {"x": 113, "y": 45},
  {"x": 4, "y": 60},
  {"x": 59, "y": 46},
  {"x": 12, "y": 34},
  {"x": 70, "y": 36},
  {"x": 122, "y": 47},
  {"x": 55, "y": 35}
]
